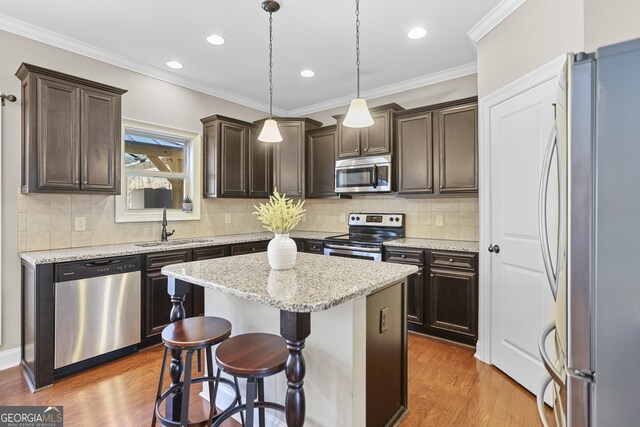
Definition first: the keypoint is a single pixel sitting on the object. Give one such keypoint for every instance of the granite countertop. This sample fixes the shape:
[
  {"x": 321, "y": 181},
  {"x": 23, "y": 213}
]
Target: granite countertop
[
  {"x": 94, "y": 252},
  {"x": 444, "y": 245},
  {"x": 316, "y": 283}
]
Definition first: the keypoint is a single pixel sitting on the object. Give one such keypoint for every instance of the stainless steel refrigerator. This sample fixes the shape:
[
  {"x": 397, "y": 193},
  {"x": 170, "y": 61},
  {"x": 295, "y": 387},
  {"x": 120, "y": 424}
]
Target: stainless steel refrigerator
[{"x": 591, "y": 241}]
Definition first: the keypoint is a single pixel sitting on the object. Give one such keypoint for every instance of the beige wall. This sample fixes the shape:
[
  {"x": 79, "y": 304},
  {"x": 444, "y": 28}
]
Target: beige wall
[
  {"x": 450, "y": 90},
  {"x": 610, "y": 21},
  {"x": 536, "y": 33}
]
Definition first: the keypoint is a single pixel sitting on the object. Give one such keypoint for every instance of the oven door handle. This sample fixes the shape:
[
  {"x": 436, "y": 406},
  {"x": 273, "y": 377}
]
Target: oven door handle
[{"x": 351, "y": 248}]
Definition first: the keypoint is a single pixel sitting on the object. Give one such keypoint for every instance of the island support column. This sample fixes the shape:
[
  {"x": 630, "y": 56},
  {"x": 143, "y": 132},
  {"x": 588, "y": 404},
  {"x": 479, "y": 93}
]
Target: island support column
[
  {"x": 295, "y": 328},
  {"x": 178, "y": 291}
]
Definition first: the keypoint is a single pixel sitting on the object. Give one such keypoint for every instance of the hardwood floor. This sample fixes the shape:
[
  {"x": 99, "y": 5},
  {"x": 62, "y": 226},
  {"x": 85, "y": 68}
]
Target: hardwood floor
[{"x": 447, "y": 387}]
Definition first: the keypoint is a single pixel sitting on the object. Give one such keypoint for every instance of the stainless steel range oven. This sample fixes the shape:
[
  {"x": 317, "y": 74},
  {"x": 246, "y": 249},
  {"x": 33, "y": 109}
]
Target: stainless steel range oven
[{"x": 367, "y": 233}]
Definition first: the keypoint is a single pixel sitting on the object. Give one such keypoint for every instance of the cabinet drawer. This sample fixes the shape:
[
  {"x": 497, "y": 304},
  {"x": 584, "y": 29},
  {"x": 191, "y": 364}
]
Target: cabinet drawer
[
  {"x": 158, "y": 260},
  {"x": 314, "y": 247},
  {"x": 210, "y": 253},
  {"x": 453, "y": 259},
  {"x": 249, "y": 248},
  {"x": 405, "y": 256}
]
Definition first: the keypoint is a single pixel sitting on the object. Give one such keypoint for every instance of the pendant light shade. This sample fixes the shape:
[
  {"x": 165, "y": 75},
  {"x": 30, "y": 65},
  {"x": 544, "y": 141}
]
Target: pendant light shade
[
  {"x": 270, "y": 131},
  {"x": 358, "y": 115}
]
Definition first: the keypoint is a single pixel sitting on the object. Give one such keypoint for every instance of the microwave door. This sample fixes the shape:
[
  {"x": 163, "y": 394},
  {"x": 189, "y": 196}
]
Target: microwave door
[{"x": 355, "y": 178}]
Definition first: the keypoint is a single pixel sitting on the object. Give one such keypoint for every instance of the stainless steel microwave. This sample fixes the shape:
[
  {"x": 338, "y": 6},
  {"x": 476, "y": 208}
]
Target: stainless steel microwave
[{"x": 364, "y": 175}]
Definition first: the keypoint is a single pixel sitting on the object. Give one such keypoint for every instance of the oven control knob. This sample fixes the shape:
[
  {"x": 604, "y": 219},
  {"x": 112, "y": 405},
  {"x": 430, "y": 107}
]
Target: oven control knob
[
  {"x": 357, "y": 218},
  {"x": 397, "y": 219},
  {"x": 391, "y": 219},
  {"x": 353, "y": 218}
]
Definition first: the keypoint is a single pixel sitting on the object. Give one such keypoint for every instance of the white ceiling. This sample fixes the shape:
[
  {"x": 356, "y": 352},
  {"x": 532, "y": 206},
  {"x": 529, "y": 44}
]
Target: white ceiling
[{"x": 145, "y": 34}]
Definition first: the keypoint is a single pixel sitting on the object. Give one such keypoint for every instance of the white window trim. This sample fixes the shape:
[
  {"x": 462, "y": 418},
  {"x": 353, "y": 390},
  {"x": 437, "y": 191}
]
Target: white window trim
[{"x": 193, "y": 181}]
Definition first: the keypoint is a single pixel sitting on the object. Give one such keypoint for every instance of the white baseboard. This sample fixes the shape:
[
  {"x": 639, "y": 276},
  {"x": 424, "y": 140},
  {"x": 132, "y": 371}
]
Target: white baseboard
[
  {"x": 226, "y": 395},
  {"x": 9, "y": 358}
]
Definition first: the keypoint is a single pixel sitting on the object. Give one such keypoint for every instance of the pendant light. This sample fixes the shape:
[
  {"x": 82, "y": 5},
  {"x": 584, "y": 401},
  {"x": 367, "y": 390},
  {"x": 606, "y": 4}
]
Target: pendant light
[
  {"x": 358, "y": 115},
  {"x": 270, "y": 131}
]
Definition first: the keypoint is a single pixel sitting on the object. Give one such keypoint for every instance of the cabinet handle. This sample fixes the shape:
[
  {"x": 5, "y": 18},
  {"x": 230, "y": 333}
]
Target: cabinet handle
[
  {"x": 432, "y": 275},
  {"x": 419, "y": 273},
  {"x": 357, "y": 149},
  {"x": 253, "y": 249},
  {"x": 85, "y": 182},
  {"x": 76, "y": 182},
  {"x": 450, "y": 259},
  {"x": 403, "y": 256},
  {"x": 366, "y": 149}
]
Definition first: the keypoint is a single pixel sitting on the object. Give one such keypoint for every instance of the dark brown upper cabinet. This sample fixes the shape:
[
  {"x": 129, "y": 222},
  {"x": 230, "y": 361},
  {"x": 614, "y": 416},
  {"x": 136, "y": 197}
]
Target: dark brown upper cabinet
[
  {"x": 236, "y": 164},
  {"x": 375, "y": 140},
  {"x": 289, "y": 155},
  {"x": 437, "y": 149},
  {"x": 321, "y": 145},
  {"x": 70, "y": 133}
]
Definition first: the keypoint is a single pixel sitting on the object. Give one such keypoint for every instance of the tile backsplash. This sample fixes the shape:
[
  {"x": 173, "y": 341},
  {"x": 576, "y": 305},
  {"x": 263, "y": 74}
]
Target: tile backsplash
[{"x": 46, "y": 221}]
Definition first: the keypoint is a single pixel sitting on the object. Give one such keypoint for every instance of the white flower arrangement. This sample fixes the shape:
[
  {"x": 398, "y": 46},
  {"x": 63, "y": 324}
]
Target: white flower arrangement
[{"x": 279, "y": 215}]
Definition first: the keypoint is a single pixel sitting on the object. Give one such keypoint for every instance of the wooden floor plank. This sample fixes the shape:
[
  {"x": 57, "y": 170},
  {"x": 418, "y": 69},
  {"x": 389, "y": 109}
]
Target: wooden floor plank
[{"x": 447, "y": 387}]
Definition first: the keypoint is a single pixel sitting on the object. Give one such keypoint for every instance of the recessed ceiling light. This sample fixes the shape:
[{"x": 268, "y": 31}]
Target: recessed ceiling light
[
  {"x": 307, "y": 73},
  {"x": 216, "y": 39},
  {"x": 417, "y": 33},
  {"x": 174, "y": 64}
]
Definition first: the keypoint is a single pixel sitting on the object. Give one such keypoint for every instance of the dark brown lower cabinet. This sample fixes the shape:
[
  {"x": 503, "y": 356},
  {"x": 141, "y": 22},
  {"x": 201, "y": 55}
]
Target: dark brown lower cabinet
[
  {"x": 453, "y": 312},
  {"x": 156, "y": 304},
  {"x": 249, "y": 248},
  {"x": 200, "y": 254},
  {"x": 415, "y": 298},
  {"x": 314, "y": 246}
]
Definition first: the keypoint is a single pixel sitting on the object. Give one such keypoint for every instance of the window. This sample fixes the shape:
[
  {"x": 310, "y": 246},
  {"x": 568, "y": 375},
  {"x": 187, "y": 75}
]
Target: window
[{"x": 158, "y": 170}]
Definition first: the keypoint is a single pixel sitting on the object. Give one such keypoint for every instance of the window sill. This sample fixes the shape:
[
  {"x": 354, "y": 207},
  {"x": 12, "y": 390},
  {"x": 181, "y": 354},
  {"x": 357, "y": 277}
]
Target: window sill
[{"x": 151, "y": 215}]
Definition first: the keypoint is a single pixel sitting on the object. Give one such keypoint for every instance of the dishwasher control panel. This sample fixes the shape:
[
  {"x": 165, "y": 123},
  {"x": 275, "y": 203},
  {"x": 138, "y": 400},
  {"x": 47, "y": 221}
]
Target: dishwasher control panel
[{"x": 95, "y": 268}]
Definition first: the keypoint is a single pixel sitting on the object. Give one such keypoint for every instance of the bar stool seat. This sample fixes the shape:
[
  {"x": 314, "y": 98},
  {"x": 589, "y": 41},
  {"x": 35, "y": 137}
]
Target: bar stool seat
[
  {"x": 252, "y": 356},
  {"x": 191, "y": 335}
]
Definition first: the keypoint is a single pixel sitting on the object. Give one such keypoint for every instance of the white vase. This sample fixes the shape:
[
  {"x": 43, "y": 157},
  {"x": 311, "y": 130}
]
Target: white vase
[{"x": 282, "y": 252}]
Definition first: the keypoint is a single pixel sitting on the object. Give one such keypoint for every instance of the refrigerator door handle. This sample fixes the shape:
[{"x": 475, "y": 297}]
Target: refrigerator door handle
[
  {"x": 546, "y": 380},
  {"x": 542, "y": 209},
  {"x": 546, "y": 360}
]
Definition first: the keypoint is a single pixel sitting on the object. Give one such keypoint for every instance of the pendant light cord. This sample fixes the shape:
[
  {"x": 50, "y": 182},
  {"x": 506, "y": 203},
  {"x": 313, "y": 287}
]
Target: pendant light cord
[
  {"x": 358, "y": 48},
  {"x": 270, "y": 64}
]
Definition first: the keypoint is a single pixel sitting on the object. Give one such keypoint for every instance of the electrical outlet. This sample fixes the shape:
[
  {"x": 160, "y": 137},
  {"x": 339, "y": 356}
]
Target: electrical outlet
[
  {"x": 439, "y": 220},
  {"x": 384, "y": 317},
  {"x": 343, "y": 217},
  {"x": 80, "y": 223},
  {"x": 227, "y": 218}
]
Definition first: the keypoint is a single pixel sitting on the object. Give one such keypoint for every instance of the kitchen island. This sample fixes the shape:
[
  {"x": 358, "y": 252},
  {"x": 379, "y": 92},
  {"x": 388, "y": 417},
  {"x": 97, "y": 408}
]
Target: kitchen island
[{"x": 356, "y": 373}]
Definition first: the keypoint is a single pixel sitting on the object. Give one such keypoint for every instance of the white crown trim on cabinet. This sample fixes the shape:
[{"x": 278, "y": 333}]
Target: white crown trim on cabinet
[
  {"x": 426, "y": 80},
  {"x": 493, "y": 18}
]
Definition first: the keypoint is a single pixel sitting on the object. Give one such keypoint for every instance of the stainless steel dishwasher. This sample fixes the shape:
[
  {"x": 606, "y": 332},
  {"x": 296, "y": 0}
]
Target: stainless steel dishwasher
[{"x": 97, "y": 308}]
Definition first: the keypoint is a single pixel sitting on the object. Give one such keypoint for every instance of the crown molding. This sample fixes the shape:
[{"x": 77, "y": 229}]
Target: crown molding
[
  {"x": 51, "y": 38},
  {"x": 426, "y": 80},
  {"x": 42, "y": 35},
  {"x": 493, "y": 18}
]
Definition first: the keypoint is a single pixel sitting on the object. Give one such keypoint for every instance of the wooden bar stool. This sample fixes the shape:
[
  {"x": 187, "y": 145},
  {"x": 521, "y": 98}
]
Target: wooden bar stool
[
  {"x": 252, "y": 356},
  {"x": 191, "y": 335}
]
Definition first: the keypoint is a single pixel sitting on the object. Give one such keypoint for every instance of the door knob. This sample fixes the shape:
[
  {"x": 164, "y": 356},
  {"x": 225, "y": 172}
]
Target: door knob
[{"x": 494, "y": 249}]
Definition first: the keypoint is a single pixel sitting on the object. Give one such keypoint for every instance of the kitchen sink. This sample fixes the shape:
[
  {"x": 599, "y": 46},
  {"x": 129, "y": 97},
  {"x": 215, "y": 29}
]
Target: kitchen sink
[{"x": 169, "y": 243}]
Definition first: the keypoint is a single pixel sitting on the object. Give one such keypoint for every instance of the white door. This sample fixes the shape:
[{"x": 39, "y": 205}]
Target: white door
[{"x": 521, "y": 303}]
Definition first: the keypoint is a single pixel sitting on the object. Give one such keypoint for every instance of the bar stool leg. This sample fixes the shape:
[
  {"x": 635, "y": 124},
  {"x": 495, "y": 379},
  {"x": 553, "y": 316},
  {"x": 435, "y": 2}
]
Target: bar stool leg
[
  {"x": 186, "y": 389},
  {"x": 251, "y": 398},
  {"x": 213, "y": 387},
  {"x": 159, "y": 393},
  {"x": 261, "y": 399},
  {"x": 235, "y": 381}
]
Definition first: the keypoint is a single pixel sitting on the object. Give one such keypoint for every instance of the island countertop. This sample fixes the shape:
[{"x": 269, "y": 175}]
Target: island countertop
[{"x": 316, "y": 283}]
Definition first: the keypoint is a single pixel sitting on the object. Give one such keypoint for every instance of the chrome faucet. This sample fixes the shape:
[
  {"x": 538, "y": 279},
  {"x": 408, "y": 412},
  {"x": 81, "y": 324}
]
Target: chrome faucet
[{"x": 165, "y": 234}]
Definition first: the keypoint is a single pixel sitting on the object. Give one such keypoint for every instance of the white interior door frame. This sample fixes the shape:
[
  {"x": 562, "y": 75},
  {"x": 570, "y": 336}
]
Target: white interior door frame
[{"x": 536, "y": 77}]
